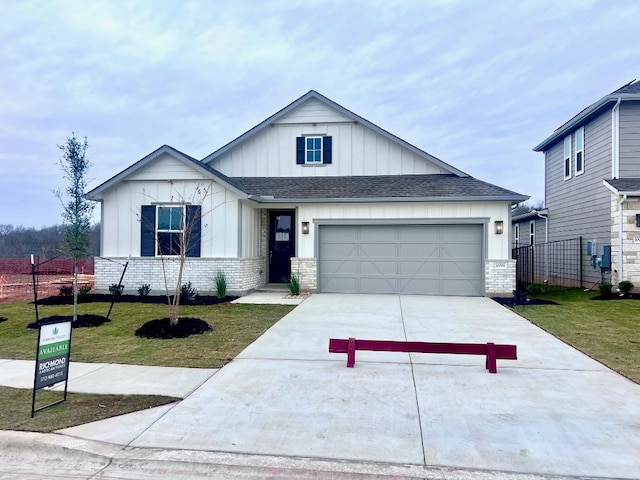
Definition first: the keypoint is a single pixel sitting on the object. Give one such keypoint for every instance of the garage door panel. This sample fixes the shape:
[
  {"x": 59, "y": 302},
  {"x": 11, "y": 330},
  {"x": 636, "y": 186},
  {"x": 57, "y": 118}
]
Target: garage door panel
[{"x": 412, "y": 259}]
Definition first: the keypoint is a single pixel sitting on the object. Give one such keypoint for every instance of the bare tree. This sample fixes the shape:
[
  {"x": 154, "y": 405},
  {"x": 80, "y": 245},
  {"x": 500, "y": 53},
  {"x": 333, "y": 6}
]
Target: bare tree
[
  {"x": 77, "y": 209},
  {"x": 526, "y": 207}
]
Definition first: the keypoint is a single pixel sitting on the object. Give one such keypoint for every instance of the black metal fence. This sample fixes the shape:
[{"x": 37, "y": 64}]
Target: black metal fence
[{"x": 556, "y": 265}]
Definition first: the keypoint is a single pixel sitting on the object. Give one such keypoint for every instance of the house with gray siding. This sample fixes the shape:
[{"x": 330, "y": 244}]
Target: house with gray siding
[
  {"x": 314, "y": 191},
  {"x": 592, "y": 184}
]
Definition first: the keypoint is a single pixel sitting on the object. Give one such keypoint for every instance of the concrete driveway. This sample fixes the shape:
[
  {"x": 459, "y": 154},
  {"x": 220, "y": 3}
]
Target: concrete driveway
[{"x": 553, "y": 411}]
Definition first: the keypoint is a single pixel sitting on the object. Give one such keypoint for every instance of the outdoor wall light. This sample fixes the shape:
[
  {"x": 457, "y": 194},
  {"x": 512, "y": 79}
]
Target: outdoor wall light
[
  {"x": 499, "y": 227},
  {"x": 305, "y": 228},
  {"x": 637, "y": 219}
]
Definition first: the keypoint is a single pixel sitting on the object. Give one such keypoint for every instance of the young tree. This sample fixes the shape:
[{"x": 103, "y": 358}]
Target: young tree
[{"x": 77, "y": 209}]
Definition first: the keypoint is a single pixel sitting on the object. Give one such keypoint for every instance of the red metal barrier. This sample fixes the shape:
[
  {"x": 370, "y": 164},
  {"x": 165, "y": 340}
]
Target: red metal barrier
[{"x": 490, "y": 350}]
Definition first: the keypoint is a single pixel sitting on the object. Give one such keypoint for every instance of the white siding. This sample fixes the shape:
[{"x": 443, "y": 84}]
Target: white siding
[
  {"x": 121, "y": 215},
  {"x": 498, "y": 246},
  {"x": 357, "y": 150}
]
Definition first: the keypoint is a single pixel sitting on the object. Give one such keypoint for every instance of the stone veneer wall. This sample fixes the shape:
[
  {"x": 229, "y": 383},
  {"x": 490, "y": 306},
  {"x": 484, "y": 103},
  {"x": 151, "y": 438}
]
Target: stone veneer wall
[
  {"x": 243, "y": 274},
  {"x": 630, "y": 241},
  {"x": 500, "y": 277},
  {"x": 306, "y": 271}
]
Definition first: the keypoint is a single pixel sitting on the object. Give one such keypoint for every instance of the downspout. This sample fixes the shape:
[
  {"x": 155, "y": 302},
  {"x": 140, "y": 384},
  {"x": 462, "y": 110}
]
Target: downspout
[
  {"x": 623, "y": 199},
  {"x": 615, "y": 140}
]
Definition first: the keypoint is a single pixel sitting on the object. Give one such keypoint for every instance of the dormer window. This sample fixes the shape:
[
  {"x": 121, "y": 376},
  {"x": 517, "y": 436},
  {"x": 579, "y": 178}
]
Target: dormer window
[{"x": 313, "y": 150}]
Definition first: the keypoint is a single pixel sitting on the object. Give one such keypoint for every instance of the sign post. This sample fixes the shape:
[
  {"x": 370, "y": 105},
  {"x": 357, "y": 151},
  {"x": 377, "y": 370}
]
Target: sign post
[{"x": 52, "y": 359}]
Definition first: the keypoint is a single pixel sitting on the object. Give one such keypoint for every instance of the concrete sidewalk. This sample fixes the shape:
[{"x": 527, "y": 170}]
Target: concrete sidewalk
[{"x": 554, "y": 411}]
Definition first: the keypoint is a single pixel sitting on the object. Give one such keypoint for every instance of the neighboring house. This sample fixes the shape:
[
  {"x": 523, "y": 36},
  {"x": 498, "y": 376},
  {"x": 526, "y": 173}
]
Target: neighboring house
[
  {"x": 529, "y": 228},
  {"x": 592, "y": 183},
  {"x": 315, "y": 191}
]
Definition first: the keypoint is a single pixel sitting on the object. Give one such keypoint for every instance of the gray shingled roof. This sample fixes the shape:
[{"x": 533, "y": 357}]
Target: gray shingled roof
[
  {"x": 625, "y": 185},
  {"x": 400, "y": 187}
]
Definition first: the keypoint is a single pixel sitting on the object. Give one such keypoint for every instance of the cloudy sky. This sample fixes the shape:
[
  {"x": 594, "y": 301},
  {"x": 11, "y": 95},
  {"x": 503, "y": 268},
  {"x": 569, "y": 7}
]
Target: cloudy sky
[{"x": 475, "y": 83}]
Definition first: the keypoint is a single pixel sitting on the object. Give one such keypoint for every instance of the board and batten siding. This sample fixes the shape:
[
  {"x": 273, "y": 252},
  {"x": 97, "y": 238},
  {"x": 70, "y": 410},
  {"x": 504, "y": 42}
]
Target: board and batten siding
[
  {"x": 121, "y": 215},
  {"x": 498, "y": 246},
  {"x": 629, "y": 139},
  {"x": 357, "y": 150},
  {"x": 580, "y": 205}
]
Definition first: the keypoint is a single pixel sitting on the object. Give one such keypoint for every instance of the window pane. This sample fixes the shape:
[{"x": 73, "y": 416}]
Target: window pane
[
  {"x": 169, "y": 243},
  {"x": 164, "y": 218},
  {"x": 567, "y": 147},
  {"x": 176, "y": 218},
  {"x": 567, "y": 168},
  {"x": 579, "y": 161}
]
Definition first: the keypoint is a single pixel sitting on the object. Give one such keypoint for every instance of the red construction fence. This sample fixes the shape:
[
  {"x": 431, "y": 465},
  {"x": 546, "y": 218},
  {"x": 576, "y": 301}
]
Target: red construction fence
[{"x": 16, "y": 281}]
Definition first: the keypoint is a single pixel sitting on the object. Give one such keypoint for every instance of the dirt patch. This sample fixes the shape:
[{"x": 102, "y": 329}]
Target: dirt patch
[
  {"x": 162, "y": 328},
  {"x": 20, "y": 286},
  {"x": 82, "y": 321}
]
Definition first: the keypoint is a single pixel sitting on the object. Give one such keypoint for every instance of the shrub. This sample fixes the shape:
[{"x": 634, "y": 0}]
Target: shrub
[
  {"x": 115, "y": 289},
  {"x": 535, "y": 289},
  {"x": 143, "y": 290},
  {"x": 66, "y": 290},
  {"x": 293, "y": 284},
  {"x": 84, "y": 290},
  {"x": 188, "y": 293},
  {"x": 625, "y": 287},
  {"x": 221, "y": 284},
  {"x": 605, "y": 288}
]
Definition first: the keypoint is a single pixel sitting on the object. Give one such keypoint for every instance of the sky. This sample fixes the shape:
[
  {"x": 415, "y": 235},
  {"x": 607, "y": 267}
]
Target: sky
[{"x": 476, "y": 83}]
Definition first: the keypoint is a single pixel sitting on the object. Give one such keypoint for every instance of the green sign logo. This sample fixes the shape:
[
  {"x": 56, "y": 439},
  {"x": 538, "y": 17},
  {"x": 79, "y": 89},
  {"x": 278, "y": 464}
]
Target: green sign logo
[{"x": 55, "y": 330}]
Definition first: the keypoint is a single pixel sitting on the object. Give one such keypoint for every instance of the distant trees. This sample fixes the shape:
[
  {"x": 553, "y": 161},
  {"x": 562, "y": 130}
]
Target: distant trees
[
  {"x": 45, "y": 242},
  {"x": 526, "y": 207}
]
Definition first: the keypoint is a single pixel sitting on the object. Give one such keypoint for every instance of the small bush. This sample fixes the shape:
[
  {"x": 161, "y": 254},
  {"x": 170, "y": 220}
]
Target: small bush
[
  {"x": 535, "y": 289},
  {"x": 188, "y": 293},
  {"x": 605, "y": 289},
  {"x": 143, "y": 290},
  {"x": 625, "y": 287},
  {"x": 293, "y": 284},
  {"x": 66, "y": 290},
  {"x": 84, "y": 290},
  {"x": 116, "y": 290},
  {"x": 221, "y": 284}
]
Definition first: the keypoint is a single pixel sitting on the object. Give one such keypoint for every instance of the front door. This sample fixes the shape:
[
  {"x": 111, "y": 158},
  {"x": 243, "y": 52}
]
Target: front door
[{"x": 281, "y": 244}]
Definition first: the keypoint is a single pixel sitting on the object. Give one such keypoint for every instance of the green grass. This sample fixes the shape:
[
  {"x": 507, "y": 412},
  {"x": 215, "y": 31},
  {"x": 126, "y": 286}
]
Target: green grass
[
  {"x": 15, "y": 408},
  {"x": 608, "y": 330},
  {"x": 234, "y": 326}
]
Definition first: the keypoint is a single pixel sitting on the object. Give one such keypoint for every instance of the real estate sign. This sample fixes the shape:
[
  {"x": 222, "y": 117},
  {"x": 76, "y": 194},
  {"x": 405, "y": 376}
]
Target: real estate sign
[{"x": 52, "y": 363}]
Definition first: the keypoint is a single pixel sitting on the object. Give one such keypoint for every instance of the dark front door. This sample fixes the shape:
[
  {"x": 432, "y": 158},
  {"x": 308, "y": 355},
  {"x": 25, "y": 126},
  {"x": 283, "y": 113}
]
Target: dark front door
[{"x": 281, "y": 245}]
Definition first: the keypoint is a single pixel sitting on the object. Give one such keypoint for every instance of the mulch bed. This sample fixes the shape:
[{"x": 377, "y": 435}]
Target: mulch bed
[
  {"x": 512, "y": 302},
  {"x": 162, "y": 328},
  {"x": 2, "y": 319},
  {"x": 157, "y": 299},
  {"x": 615, "y": 296},
  {"x": 82, "y": 321}
]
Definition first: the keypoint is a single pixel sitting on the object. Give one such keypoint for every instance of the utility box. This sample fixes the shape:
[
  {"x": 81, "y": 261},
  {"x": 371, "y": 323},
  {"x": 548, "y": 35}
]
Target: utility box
[{"x": 606, "y": 257}]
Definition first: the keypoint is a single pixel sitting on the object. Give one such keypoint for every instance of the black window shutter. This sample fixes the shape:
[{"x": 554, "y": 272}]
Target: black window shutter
[
  {"x": 148, "y": 231},
  {"x": 193, "y": 228},
  {"x": 300, "y": 150},
  {"x": 326, "y": 149}
]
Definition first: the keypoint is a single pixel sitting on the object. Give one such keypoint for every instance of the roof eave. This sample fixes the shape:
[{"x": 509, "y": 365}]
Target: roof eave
[
  {"x": 590, "y": 111},
  {"x": 268, "y": 199}
]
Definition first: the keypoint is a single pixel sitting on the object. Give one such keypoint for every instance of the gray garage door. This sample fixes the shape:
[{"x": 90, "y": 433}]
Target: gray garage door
[{"x": 408, "y": 259}]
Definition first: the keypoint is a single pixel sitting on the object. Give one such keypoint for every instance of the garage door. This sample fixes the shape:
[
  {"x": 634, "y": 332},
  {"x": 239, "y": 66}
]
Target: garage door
[{"x": 408, "y": 259}]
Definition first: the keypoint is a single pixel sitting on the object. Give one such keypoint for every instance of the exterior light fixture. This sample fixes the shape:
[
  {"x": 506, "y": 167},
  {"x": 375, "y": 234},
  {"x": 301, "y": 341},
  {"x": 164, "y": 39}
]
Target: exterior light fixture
[
  {"x": 305, "y": 228},
  {"x": 499, "y": 227}
]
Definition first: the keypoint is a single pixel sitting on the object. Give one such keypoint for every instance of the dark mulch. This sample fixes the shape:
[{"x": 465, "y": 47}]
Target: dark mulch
[
  {"x": 615, "y": 296},
  {"x": 83, "y": 321},
  {"x": 2, "y": 319},
  {"x": 157, "y": 299},
  {"x": 512, "y": 302},
  {"x": 162, "y": 328}
]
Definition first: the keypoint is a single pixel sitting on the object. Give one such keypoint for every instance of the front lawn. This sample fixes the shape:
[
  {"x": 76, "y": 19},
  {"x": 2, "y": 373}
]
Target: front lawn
[
  {"x": 234, "y": 326},
  {"x": 606, "y": 330}
]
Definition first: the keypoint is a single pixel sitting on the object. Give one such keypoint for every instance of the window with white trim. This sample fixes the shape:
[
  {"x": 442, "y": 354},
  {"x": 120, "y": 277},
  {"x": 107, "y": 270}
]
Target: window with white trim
[
  {"x": 567, "y": 157},
  {"x": 169, "y": 229},
  {"x": 313, "y": 150},
  {"x": 532, "y": 232},
  {"x": 516, "y": 233},
  {"x": 578, "y": 148}
]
